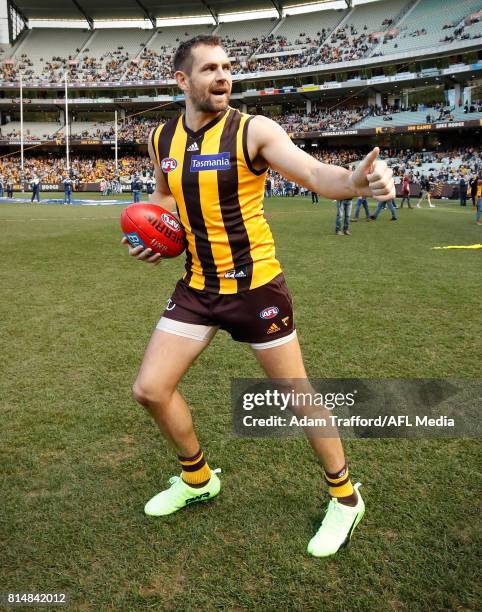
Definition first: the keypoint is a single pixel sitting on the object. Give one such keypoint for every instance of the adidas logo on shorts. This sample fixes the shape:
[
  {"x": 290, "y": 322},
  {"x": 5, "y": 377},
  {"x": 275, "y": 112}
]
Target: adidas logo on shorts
[{"x": 272, "y": 328}]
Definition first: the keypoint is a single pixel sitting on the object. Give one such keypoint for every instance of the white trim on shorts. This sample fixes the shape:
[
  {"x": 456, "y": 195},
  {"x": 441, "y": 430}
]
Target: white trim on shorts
[
  {"x": 201, "y": 333},
  {"x": 259, "y": 346}
]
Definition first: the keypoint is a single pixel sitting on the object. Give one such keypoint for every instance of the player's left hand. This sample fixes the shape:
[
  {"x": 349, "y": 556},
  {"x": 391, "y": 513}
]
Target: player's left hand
[
  {"x": 142, "y": 254},
  {"x": 373, "y": 178}
]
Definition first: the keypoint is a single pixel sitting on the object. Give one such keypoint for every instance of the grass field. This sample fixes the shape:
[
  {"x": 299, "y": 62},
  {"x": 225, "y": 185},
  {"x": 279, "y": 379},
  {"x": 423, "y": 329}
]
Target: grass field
[{"x": 79, "y": 458}]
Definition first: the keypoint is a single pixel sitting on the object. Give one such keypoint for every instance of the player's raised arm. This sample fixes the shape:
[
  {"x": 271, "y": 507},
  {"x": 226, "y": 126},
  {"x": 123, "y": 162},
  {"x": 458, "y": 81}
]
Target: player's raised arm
[{"x": 372, "y": 177}]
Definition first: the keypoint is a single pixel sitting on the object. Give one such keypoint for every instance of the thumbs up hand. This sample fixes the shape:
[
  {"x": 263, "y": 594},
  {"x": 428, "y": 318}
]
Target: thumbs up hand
[{"x": 374, "y": 178}]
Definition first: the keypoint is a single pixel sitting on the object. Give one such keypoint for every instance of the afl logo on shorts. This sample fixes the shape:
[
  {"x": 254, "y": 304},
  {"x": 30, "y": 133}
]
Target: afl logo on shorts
[
  {"x": 269, "y": 313},
  {"x": 168, "y": 164},
  {"x": 170, "y": 222}
]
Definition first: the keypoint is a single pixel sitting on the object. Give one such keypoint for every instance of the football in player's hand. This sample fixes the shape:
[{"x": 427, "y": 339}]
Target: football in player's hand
[{"x": 152, "y": 226}]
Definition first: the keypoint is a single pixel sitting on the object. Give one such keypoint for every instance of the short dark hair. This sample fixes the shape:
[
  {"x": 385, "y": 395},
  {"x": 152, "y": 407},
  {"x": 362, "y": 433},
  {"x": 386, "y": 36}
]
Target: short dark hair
[{"x": 183, "y": 57}]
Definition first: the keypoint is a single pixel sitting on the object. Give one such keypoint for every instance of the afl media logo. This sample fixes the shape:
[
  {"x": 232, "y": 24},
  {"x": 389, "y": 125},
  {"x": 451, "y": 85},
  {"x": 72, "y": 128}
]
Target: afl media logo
[
  {"x": 168, "y": 164},
  {"x": 269, "y": 313},
  {"x": 170, "y": 222}
]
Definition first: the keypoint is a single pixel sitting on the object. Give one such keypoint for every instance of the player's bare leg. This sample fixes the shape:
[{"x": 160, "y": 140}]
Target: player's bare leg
[
  {"x": 167, "y": 358},
  {"x": 286, "y": 362},
  {"x": 344, "y": 512}
]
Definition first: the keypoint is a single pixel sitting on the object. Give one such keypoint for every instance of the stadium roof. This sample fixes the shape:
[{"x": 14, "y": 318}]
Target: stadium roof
[{"x": 141, "y": 9}]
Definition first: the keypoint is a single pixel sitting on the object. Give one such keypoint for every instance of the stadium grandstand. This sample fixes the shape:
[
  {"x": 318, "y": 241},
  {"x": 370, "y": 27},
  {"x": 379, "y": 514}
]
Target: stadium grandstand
[{"x": 348, "y": 74}]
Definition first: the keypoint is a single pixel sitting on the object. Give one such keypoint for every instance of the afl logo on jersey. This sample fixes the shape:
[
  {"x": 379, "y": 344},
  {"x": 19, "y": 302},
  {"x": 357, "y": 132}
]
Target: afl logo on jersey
[
  {"x": 168, "y": 164},
  {"x": 269, "y": 313}
]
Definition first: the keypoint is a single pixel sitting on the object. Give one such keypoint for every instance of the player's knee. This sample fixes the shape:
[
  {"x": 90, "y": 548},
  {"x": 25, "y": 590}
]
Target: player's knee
[
  {"x": 294, "y": 385},
  {"x": 150, "y": 395},
  {"x": 301, "y": 394},
  {"x": 140, "y": 393}
]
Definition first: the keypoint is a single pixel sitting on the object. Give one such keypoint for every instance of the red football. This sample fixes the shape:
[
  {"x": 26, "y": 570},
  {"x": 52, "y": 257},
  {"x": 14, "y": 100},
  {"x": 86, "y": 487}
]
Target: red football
[{"x": 152, "y": 226}]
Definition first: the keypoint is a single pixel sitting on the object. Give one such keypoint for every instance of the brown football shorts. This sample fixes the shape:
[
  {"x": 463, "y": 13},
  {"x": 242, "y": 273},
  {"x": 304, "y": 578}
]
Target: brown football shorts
[{"x": 261, "y": 316}]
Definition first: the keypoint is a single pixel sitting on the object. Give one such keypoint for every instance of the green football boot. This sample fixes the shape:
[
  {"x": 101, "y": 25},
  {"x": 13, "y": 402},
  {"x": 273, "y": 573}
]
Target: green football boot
[
  {"x": 337, "y": 527},
  {"x": 179, "y": 495}
]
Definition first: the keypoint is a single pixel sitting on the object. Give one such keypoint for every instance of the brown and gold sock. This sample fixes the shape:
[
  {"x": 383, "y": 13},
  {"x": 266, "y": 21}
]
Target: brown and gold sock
[
  {"x": 340, "y": 486},
  {"x": 195, "y": 470}
]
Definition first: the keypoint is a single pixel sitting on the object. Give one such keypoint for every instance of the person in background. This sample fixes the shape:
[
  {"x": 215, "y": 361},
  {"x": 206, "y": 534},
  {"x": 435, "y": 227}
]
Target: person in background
[
  {"x": 479, "y": 201},
  {"x": 268, "y": 190},
  {"x": 67, "y": 182},
  {"x": 150, "y": 184},
  {"x": 463, "y": 191},
  {"x": 343, "y": 212},
  {"x": 35, "y": 189},
  {"x": 473, "y": 189},
  {"x": 405, "y": 191},
  {"x": 426, "y": 191},
  {"x": 9, "y": 189},
  {"x": 361, "y": 201},
  {"x": 314, "y": 198},
  {"x": 390, "y": 204},
  {"x": 136, "y": 188},
  {"x": 1, "y": 186}
]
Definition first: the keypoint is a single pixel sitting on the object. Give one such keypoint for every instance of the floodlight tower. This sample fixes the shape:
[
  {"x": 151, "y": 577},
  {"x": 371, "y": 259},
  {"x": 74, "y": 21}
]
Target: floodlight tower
[
  {"x": 67, "y": 135},
  {"x": 21, "y": 123},
  {"x": 115, "y": 138}
]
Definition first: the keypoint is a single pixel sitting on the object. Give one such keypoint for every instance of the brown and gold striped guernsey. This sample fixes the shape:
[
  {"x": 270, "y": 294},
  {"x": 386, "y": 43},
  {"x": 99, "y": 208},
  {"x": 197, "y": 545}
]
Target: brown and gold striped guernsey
[{"x": 219, "y": 197}]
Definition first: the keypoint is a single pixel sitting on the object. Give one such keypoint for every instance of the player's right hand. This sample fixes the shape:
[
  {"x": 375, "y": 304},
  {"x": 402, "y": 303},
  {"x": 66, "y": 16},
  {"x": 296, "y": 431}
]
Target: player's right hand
[{"x": 143, "y": 254}]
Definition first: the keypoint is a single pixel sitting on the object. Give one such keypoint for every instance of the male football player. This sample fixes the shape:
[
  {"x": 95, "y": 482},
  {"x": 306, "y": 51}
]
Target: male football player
[{"x": 210, "y": 165}]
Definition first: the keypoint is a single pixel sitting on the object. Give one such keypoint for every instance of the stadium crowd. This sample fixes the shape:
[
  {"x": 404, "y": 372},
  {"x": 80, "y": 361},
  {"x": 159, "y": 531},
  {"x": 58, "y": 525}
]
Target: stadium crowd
[
  {"x": 279, "y": 43},
  {"x": 442, "y": 167},
  {"x": 348, "y": 42},
  {"x": 419, "y": 167},
  {"x": 329, "y": 119},
  {"x": 14, "y": 135},
  {"x": 136, "y": 129},
  {"x": 151, "y": 65},
  {"x": 52, "y": 169},
  {"x": 321, "y": 119},
  {"x": 458, "y": 30}
]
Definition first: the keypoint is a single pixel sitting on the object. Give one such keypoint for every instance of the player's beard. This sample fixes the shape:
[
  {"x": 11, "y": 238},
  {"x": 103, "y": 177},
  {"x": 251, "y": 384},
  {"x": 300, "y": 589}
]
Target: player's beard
[{"x": 204, "y": 102}]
